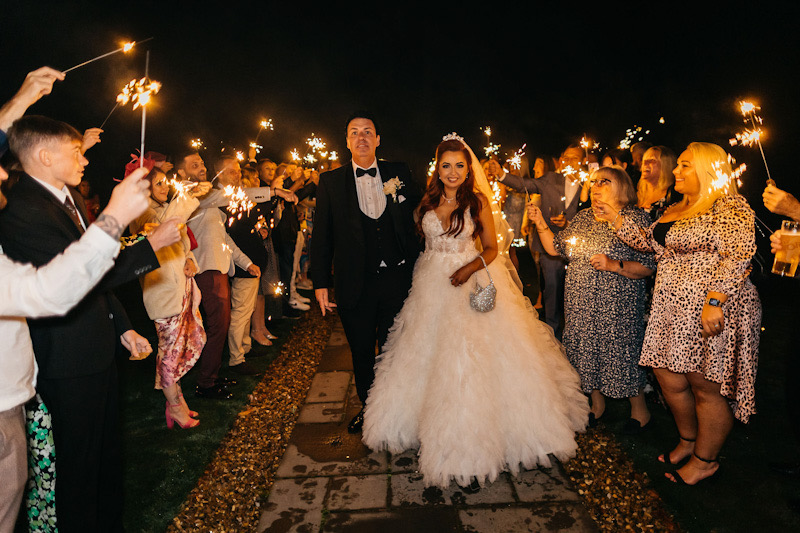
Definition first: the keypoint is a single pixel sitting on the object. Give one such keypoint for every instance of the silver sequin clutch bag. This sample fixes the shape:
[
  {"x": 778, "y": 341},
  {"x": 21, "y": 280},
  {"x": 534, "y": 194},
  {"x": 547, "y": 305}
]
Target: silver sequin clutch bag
[{"x": 482, "y": 298}]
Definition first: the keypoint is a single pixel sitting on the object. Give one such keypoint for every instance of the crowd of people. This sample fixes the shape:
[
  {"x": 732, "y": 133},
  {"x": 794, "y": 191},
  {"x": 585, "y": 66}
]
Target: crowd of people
[{"x": 644, "y": 271}]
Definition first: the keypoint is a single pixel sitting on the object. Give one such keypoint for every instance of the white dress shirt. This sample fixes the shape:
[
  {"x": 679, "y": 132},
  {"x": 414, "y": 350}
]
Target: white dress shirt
[
  {"x": 571, "y": 188},
  {"x": 51, "y": 290},
  {"x": 369, "y": 190}
]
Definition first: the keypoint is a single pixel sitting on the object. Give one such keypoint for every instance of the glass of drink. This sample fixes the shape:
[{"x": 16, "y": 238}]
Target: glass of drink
[{"x": 786, "y": 259}]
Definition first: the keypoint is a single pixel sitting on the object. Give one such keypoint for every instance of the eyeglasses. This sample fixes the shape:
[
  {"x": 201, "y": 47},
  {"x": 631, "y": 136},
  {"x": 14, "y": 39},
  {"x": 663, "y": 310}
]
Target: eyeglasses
[{"x": 602, "y": 182}]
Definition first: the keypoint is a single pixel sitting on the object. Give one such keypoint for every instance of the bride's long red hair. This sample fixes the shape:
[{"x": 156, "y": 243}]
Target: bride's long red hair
[{"x": 466, "y": 197}]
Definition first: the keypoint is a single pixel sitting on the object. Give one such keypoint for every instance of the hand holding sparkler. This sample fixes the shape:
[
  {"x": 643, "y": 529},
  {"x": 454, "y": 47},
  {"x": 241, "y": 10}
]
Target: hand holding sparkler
[
  {"x": 90, "y": 138},
  {"x": 781, "y": 202}
]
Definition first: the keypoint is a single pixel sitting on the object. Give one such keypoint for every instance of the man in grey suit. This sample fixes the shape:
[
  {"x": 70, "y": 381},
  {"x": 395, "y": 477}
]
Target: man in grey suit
[{"x": 560, "y": 198}]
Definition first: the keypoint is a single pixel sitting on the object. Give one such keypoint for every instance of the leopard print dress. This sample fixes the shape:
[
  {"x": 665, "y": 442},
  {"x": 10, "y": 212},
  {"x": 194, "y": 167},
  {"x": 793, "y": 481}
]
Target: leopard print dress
[{"x": 710, "y": 251}]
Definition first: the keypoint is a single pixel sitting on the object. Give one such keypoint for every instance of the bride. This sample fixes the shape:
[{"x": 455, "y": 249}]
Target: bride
[{"x": 477, "y": 393}]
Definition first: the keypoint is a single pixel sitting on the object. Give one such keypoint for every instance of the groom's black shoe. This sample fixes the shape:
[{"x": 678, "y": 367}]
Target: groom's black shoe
[{"x": 355, "y": 424}]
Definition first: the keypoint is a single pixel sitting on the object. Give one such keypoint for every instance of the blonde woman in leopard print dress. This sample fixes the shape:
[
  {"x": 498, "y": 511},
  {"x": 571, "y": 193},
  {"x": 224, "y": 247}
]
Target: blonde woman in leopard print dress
[{"x": 703, "y": 334}]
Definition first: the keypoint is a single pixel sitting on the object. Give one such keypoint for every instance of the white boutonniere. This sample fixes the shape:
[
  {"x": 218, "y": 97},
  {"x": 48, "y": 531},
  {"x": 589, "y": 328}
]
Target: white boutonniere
[{"x": 392, "y": 186}]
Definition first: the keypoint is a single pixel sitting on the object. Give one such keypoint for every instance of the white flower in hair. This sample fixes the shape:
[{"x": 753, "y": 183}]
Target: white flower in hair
[
  {"x": 391, "y": 186},
  {"x": 453, "y": 137}
]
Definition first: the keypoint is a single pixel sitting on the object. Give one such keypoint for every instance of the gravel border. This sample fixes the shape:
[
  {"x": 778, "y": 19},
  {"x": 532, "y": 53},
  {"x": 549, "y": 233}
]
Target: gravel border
[
  {"x": 616, "y": 495},
  {"x": 229, "y": 495}
]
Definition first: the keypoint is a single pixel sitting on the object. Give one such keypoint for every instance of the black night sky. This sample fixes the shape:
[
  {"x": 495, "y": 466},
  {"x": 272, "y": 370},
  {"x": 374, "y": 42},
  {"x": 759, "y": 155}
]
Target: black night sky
[{"x": 537, "y": 75}]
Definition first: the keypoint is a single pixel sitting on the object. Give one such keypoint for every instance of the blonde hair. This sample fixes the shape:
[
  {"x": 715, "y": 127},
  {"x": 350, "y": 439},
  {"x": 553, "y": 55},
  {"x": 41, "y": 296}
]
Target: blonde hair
[
  {"x": 668, "y": 163},
  {"x": 711, "y": 166}
]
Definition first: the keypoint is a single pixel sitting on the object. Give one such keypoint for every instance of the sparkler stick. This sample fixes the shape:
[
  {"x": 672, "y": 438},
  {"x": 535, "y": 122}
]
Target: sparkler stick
[
  {"x": 125, "y": 48},
  {"x": 109, "y": 115},
  {"x": 144, "y": 110}
]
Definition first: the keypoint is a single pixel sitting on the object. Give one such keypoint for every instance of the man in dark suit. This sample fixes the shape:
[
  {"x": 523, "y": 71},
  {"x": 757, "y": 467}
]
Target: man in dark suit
[
  {"x": 560, "y": 198},
  {"x": 75, "y": 353},
  {"x": 364, "y": 229}
]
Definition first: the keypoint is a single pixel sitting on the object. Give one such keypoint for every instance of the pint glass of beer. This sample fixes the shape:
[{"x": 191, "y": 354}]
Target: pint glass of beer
[{"x": 786, "y": 259}]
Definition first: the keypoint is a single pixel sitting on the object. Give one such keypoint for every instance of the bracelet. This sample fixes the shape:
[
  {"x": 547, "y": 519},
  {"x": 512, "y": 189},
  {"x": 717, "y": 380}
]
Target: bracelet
[{"x": 542, "y": 230}]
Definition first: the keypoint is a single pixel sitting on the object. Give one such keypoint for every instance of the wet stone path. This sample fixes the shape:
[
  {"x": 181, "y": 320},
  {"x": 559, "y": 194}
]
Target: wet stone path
[{"x": 328, "y": 481}]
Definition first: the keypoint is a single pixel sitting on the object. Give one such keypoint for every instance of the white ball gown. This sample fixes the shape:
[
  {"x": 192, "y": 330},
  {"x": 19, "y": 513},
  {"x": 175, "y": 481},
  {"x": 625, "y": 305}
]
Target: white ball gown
[{"x": 477, "y": 393}]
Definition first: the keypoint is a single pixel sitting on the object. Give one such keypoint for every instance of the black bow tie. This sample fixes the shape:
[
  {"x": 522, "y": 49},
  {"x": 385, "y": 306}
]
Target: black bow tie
[{"x": 371, "y": 171}]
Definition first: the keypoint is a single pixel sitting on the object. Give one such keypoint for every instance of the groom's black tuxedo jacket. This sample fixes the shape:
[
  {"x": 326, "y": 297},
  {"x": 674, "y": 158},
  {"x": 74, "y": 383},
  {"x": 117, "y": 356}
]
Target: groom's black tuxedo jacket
[
  {"x": 34, "y": 228},
  {"x": 338, "y": 239}
]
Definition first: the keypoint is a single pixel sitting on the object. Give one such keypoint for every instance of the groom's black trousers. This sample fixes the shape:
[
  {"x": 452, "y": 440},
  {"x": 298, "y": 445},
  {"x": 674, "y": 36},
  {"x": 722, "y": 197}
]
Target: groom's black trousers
[{"x": 366, "y": 325}]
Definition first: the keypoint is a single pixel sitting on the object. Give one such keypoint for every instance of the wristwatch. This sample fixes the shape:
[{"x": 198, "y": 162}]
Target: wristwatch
[{"x": 715, "y": 302}]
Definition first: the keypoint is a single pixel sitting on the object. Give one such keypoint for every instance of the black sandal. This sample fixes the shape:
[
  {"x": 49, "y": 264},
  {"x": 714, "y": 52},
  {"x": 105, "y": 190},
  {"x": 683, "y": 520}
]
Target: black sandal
[
  {"x": 668, "y": 461},
  {"x": 680, "y": 481}
]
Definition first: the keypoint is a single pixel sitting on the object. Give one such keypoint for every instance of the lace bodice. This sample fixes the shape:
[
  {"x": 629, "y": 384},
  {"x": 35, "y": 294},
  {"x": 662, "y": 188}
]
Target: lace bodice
[{"x": 436, "y": 241}]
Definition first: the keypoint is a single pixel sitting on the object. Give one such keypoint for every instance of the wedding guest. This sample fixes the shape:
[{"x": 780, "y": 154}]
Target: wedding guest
[
  {"x": 287, "y": 235},
  {"x": 91, "y": 201},
  {"x": 171, "y": 296},
  {"x": 604, "y": 297},
  {"x": 656, "y": 189},
  {"x": 512, "y": 203},
  {"x": 244, "y": 283},
  {"x": 560, "y": 196},
  {"x": 617, "y": 156},
  {"x": 77, "y": 377},
  {"x": 703, "y": 333},
  {"x": 637, "y": 152},
  {"x": 269, "y": 302},
  {"x": 216, "y": 255}
]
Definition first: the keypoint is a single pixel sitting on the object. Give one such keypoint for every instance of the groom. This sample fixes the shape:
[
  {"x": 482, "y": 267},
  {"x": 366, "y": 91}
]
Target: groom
[{"x": 364, "y": 229}]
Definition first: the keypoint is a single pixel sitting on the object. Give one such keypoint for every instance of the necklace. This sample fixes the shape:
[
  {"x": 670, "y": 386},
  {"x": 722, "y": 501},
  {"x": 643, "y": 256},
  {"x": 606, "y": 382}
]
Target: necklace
[{"x": 448, "y": 200}]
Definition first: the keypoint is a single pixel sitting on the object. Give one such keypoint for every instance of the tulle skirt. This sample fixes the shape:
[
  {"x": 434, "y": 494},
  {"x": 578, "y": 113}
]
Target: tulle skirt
[{"x": 476, "y": 393}]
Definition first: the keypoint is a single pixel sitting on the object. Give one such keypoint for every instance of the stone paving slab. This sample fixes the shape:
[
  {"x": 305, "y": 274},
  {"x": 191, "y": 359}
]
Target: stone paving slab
[
  {"x": 410, "y": 490},
  {"x": 564, "y": 518},
  {"x": 329, "y": 387},
  {"x": 296, "y": 464},
  {"x": 430, "y": 520},
  {"x": 405, "y": 462},
  {"x": 355, "y": 493},
  {"x": 544, "y": 484},
  {"x": 321, "y": 413},
  {"x": 294, "y": 505}
]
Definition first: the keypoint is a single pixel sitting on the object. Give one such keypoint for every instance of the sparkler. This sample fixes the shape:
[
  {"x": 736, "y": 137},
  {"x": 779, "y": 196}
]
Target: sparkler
[
  {"x": 238, "y": 203},
  {"x": 197, "y": 144},
  {"x": 109, "y": 115},
  {"x": 333, "y": 156},
  {"x": 239, "y": 155},
  {"x": 139, "y": 92},
  {"x": 295, "y": 155},
  {"x": 750, "y": 137},
  {"x": 256, "y": 147},
  {"x": 516, "y": 160},
  {"x": 266, "y": 124},
  {"x": 124, "y": 48}
]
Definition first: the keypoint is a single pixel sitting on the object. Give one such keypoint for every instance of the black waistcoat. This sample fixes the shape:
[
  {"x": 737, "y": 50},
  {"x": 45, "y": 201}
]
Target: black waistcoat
[{"x": 381, "y": 241}]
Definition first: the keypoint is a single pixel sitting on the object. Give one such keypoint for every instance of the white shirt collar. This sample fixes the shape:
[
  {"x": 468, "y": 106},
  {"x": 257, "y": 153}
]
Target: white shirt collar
[
  {"x": 60, "y": 194},
  {"x": 373, "y": 165}
]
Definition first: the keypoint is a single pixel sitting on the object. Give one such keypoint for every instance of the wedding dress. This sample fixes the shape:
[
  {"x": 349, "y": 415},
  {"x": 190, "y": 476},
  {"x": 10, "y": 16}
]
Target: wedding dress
[{"x": 476, "y": 393}]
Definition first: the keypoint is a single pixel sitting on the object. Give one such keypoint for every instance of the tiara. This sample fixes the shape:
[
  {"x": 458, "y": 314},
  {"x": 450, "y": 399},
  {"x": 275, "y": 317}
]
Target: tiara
[{"x": 453, "y": 137}]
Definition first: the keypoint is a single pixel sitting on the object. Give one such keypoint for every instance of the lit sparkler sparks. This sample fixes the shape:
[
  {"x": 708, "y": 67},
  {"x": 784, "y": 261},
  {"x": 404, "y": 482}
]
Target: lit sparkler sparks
[
  {"x": 125, "y": 48},
  {"x": 516, "y": 160},
  {"x": 315, "y": 143},
  {"x": 431, "y": 167},
  {"x": 491, "y": 149},
  {"x": 138, "y": 91},
  {"x": 265, "y": 124},
  {"x": 238, "y": 203},
  {"x": 239, "y": 155},
  {"x": 750, "y": 137},
  {"x": 295, "y": 155},
  {"x": 333, "y": 156},
  {"x": 723, "y": 181},
  {"x": 310, "y": 159},
  {"x": 197, "y": 144},
  {"x": 181, "y": 188},
  {"x": 256, "y": 147}
]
